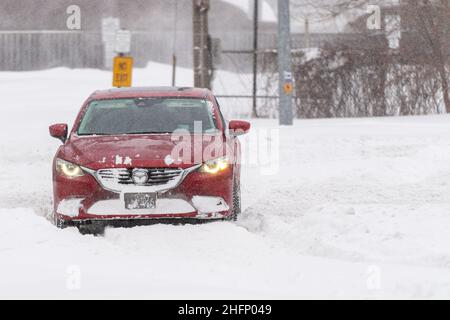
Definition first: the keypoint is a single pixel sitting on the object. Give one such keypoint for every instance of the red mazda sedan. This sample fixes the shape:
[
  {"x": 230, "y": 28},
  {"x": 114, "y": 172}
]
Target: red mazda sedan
[{"x": 143, "y": 155}]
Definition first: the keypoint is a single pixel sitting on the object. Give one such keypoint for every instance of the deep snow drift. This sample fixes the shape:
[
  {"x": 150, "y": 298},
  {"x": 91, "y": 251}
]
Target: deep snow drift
[{"x": 354, "y": 208}]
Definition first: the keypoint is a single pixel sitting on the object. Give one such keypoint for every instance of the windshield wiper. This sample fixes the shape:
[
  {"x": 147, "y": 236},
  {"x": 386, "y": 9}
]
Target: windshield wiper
[
  {"x": 95, "y": 134},
  {"x": 149, "y": 132},
  {"x": 123, "y": 133}
]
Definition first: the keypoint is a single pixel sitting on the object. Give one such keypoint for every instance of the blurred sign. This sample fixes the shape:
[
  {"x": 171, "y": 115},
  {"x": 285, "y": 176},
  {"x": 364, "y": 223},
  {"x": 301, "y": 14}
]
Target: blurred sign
[
  {"x": 109, "y": 28},
  {"x": 122, "y": 73},
  {"x": 123, "y": 41},
  {"x": 288, "y": 88},
  {"x": 287, "y": 76}
]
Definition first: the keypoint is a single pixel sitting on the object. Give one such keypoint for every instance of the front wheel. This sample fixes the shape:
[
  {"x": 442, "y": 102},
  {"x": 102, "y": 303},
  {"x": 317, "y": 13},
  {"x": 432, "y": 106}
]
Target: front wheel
[
  {"x": 236, "y": 210},
  {"x": 95, "y": 228}
]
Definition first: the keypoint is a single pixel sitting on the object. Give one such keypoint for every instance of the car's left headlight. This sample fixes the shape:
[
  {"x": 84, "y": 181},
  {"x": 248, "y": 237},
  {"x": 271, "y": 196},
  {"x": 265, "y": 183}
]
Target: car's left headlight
[
  {"x": 68, "y": 169},
  {"x": 215, "y": 166}
]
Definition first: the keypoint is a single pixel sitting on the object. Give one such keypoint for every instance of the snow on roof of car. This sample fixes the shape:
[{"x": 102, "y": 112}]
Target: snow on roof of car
[{"x": 150, "y": 92}]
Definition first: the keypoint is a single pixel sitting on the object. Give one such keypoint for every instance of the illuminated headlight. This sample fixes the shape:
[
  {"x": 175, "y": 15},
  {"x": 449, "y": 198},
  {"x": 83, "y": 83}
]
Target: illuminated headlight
[
  {"x": 215, "y": 166},
  {"x": 68, "y": 169}
]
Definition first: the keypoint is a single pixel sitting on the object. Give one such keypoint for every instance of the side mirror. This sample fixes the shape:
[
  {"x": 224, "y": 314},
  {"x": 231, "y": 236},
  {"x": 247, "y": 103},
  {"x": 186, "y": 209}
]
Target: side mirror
[
  {"x": 59, "y": 131},
  {"x": 238, "y": 127}
]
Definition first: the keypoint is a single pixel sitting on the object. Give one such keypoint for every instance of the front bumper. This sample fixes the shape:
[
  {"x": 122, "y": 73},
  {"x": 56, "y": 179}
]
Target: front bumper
[
  {"x": 199, "y": 196},
  {"x": 200, "y": 207}
]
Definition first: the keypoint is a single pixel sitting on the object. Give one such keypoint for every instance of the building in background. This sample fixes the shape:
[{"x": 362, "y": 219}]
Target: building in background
[
  {"x": 28, "y": 40},
  {"x": 154, "y": 25}
]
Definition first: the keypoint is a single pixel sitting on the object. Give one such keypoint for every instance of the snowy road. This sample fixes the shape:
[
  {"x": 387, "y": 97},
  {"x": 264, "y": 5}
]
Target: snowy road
[{"x": 357, "y": 208}]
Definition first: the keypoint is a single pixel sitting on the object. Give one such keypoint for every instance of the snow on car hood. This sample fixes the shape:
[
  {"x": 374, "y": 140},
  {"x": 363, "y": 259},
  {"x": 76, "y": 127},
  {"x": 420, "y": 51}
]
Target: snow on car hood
[{"x": 97, "y": 152}]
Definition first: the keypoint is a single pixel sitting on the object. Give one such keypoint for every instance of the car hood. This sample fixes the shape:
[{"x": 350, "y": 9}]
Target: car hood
[{"x": 97, "y": 152}]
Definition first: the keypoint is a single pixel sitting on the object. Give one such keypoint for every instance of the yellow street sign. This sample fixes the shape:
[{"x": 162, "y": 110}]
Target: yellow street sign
[
  {"x": 122, "y": 73},
  {"x": 288, "y": 88}
]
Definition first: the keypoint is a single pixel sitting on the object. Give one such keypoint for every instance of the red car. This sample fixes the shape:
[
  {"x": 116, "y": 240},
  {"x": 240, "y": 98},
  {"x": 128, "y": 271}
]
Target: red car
[{"x": 143, "y": 155}]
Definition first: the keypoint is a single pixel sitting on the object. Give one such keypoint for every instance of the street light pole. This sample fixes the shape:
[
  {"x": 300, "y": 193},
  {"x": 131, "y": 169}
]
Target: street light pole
[
  {"x": 200, "y": 44},
  {"x": 284, "y": 64},
  {"x": 255, "y": 57}
]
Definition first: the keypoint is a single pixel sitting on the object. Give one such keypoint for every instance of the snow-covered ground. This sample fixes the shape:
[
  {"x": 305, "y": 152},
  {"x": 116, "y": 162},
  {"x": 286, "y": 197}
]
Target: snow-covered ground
[{"x": 354, "y": 208}]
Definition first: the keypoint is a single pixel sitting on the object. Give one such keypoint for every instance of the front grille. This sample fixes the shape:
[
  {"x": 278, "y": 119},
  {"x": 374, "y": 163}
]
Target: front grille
[
  {"x": 120, "y": 180},
  {"x": 123, "y": 176}
]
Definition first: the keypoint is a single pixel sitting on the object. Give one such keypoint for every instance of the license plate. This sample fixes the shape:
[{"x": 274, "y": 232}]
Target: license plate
[{"x": 140, "y": 200}]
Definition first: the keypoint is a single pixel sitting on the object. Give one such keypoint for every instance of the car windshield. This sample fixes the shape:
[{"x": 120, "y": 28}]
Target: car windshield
[{"x": 148, "y": 115}]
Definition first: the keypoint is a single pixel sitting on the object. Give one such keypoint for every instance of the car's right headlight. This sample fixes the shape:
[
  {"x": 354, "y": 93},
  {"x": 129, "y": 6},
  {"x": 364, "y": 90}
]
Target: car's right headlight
[
  {"x": 68, "y": 169},
  {"x": 216, "y": 165}
]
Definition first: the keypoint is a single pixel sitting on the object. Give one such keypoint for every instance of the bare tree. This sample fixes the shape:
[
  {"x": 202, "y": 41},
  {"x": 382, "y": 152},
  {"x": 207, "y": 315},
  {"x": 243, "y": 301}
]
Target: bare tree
[
  {"x": 430, "y": 21},
  {"x": 424, "y": 22}
]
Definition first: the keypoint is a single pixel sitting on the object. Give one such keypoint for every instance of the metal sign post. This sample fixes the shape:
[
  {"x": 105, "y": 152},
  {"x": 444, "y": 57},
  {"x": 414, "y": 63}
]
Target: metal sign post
[{"x": 123, "y": 65}]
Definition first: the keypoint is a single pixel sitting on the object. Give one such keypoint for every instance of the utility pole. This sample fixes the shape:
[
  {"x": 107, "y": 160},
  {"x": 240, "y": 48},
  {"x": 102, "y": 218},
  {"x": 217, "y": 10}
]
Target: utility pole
[
  {"x": 308, "y": 42},
  {"x": 255, "y": 57},
  {"x": 174, "y": 44},
  {"x": 201, "y": 51},
  {"x": 284, "y": 64}
]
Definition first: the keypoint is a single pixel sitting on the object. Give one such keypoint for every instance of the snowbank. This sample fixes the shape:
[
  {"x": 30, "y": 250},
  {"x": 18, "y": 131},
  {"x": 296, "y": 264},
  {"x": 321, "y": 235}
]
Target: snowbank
[{"x": 356, "y": 208}]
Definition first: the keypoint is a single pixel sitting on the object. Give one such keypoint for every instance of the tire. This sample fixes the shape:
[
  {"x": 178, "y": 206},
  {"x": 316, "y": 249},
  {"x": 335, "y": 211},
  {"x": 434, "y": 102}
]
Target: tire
[
  {"x": 236, "y": 210},
  {"x": 96, "y": 229}
]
